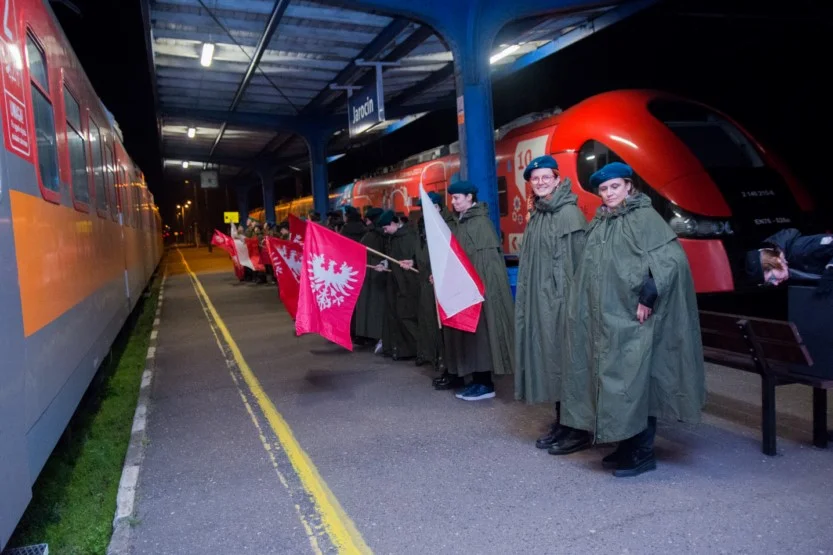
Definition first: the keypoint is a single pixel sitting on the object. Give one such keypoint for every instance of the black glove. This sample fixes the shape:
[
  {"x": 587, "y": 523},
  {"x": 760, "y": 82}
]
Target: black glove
[{"x": 825, "y": 286}]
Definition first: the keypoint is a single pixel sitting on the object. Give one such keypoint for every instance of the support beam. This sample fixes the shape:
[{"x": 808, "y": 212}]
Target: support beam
[
  {"x": 242, "y": 192},
  {"x": 317, "y": 144},
  {"x": 267, "y": 182}
]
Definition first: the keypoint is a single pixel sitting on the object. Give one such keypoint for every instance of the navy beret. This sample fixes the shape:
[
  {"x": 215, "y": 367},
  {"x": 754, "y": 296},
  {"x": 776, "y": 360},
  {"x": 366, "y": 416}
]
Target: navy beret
[
  {"x": 385, "y": 218},
  {"x": 610, "y": 171},
  {"x": 539, "y": 163},
  {"x": 436, "y": 198},
  {"x": 373, "y": 213},
  {"x": 462, "y": 188},
  {"x": 349, "y": 210}
]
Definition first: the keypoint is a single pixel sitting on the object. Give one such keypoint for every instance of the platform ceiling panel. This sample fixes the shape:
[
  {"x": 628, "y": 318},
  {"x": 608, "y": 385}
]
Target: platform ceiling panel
[{"x": 279, "y": 58}]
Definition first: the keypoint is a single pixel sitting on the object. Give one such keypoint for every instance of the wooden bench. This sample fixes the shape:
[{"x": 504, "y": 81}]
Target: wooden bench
[{"x": 774, "y": 350}]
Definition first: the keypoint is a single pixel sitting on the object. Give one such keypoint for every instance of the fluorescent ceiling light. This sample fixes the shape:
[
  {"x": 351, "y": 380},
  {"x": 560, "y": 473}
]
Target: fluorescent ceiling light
[
  {"x": 503, "y": 53},
  {"x": 294, "y": 168},
  {"x": 207, "y": 54},
  {"x": 192, "y": 132},
  {"x": 185, "y": 165},
  {"x": 334, "y": 157}
]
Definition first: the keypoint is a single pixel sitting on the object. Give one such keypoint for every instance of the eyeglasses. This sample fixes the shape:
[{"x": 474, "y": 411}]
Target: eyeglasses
[{"x": 544, "y": 179}]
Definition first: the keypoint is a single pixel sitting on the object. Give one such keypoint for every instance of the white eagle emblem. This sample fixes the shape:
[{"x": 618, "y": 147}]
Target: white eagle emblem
[
  {"x": 330, "y": 287},
  {"x": 292, "y": 260},
  {"x": 297, "y": 239}
]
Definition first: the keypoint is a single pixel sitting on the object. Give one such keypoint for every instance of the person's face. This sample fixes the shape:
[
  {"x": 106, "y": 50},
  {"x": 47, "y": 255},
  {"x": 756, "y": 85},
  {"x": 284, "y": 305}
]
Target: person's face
[
  {"x": 777, "y": 276},
  {"x": 461, "y": 202},
  {"x": 543, "y": 181},
  {"x": 391, "y": 228},
  {"x": 614, "y": 191}
]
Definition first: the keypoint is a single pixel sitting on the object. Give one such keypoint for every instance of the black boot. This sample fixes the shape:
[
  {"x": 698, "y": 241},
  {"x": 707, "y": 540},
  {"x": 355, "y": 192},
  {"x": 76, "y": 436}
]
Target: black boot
[
  {"x": 554, "y": 433},
  {"x": 571, "y": 441},
  {"x": 612, "y": 460},
  {"x": 640, "y": 458},
  {"x": 439, "y": 366},
  {"x": 448, "y": 381}
]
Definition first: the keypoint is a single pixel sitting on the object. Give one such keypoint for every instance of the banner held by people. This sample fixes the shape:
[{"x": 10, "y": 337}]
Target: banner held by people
[
  {"x": 286, "y": 258},
  {"x": 332, "y": 272},
  {"x": 297, "y": 229},
  {"x": 459, "y": 290}
]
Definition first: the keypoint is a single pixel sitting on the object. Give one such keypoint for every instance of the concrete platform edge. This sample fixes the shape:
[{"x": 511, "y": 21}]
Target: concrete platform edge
[{"x": 120, "y": 541}]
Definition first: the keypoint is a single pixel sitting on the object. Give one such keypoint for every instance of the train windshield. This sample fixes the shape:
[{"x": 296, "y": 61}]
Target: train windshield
[{"x": 716, "y": 142}]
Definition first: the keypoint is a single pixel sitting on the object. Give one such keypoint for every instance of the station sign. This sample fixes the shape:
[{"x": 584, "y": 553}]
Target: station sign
[
  {"x": 208, "y": 180},
  {"x": 366, "y": 107},
  {"x": 231, "y": 217}
]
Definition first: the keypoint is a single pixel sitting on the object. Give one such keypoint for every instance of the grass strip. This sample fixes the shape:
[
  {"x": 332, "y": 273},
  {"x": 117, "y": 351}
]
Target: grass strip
[{"x": 74, "y": 498}]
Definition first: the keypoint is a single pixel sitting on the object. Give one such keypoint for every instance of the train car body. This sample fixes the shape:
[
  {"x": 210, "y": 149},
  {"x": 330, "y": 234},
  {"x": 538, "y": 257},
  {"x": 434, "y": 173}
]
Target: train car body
[
  {"x": 719, "y": 189},
  {"x": 80, "y": 237}
]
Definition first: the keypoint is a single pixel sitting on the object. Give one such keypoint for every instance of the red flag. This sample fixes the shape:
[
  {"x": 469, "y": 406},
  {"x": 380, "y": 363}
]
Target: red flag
[
  {"x": 253, "y": 249},
  {"x": 286, "y": 263},
  {"x": 226, "y": 243},
  {"x": 332, "y": 274},
  {"x": 297, "y": 229},
  {"x": 457, "y": 287}
]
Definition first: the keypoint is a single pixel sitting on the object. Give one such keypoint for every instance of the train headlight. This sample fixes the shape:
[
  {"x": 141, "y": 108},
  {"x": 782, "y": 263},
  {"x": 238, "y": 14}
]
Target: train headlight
[{"x": 685, "y": 225}]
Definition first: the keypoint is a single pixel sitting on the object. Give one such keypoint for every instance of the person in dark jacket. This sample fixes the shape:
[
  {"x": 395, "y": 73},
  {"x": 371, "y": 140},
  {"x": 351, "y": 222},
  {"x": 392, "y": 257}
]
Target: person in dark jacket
[
  {"x": 353, "y": 228},
  {"x": 552, "y": 246},
  {"x": 430, "y": 336},
  {"x": 789, "y": 254},
  {"x": 370, "y": 307},
  {"x": 402, "y": 289},
  {"x": 491, "y": 348},
  {"x": 634, "y": 349}
]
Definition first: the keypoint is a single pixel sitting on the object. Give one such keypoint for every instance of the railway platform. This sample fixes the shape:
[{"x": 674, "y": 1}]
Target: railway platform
[{"x": 259, "y": 441}]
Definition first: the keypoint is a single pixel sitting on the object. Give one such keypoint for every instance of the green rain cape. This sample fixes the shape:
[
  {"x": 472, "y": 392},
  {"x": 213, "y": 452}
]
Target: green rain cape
[
  {"x": 370, "y": 307},
  {"x": 621, "y": 372},
  {"x": 491, "y": 347},
  {"x": 402, "y": 295},
  {"x": 552, "y": 246}
]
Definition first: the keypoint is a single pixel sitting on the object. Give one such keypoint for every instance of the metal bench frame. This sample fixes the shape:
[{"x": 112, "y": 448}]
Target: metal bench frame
[{"x": 773, "y": 373}]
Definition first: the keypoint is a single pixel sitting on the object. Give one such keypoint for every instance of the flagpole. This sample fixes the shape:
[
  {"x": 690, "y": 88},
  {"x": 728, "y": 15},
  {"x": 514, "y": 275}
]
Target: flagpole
[{"x": 377, "y": 253}]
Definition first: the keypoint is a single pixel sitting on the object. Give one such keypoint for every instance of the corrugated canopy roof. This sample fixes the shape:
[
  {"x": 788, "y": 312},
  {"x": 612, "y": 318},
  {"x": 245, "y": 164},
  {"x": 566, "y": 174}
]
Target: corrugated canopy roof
[{"x": 305, "y": 47}]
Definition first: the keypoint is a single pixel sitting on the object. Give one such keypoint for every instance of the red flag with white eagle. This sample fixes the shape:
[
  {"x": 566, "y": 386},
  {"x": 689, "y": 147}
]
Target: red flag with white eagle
[
  {"x": 458, "y": 289},
  {"x": 332, "y": 273},
  {"x": 286, "y": 262},
  {"x": 297, "y": 229}
]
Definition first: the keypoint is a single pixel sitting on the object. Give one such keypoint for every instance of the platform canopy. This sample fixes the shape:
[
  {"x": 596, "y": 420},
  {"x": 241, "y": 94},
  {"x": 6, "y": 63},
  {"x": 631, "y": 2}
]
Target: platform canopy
[{"x": 234, "y": 79}]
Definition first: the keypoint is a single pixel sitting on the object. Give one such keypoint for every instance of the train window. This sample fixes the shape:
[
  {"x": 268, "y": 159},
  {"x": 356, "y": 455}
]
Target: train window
[
  {"x": 44, "y": 118},
  {"x": 98, "y": 167},
  {"x": 77, "y": 150},
  {"x": 111, "y": 182},
  {"x": 716, "y": 142},
  {"x": 502, "y": 197},
  {"x": 591, "y": 156}
]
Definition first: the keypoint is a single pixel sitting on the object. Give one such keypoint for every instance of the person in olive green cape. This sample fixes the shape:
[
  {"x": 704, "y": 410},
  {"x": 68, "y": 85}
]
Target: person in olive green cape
[
  {"x": 403, "y": 288},
  {"x": 430, "y": 336},
  {"x": 370, "y": 306},
  {"x": 635, "y": 347},
  {"x": 552, "y": 246},
  {"x": 490, "y": 349}
]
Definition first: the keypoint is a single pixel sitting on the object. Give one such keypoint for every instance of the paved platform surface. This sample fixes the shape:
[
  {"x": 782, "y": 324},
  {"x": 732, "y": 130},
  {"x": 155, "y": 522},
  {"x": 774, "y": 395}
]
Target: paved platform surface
[{"x": 418, "y": 471}]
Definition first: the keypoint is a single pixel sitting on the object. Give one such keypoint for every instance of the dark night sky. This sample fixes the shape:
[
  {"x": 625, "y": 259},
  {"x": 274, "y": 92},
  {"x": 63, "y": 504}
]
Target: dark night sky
[{"x": 765, "y": 68}]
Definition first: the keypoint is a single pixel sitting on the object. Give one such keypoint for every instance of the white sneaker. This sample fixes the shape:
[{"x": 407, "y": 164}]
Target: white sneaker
[{"x": 378, "y": 348}]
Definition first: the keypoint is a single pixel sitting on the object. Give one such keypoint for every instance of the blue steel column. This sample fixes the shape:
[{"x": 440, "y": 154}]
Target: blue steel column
[
  {"x": 317, "y": 143},
  {"x": 475, "y": 122},
  {"x": 242, "y": 191},
  {"x": 267, "y": 179}
]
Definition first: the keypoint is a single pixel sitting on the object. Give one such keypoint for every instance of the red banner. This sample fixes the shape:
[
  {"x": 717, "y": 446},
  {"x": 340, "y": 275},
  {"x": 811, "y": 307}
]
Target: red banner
[
  {"x": 286, "y": 263},
  {"x": 332, "y": 273},
  {"x": 297, "y": 229},
  {"x": 220, "y": 239},
  {"x": 254, "y": 254}
]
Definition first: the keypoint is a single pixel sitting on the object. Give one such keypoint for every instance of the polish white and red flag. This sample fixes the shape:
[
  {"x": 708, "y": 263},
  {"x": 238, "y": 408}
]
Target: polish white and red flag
[
  {"x": 220, "y": 239},
  {"x": 241, "y": 249},
  {"x": 332, "y": 273},
  {"x": 457, "y": 287},
  {"x": 286, "y": 258}
]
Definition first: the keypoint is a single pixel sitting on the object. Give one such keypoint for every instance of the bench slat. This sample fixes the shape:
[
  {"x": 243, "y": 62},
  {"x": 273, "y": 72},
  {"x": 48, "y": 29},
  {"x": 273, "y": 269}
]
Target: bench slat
[
  {"x": 771, "y": 329},
  {"x": 733, "y": 343},
  {"x": 776, "y": 351},
  {"x": 721, "y": 323}
]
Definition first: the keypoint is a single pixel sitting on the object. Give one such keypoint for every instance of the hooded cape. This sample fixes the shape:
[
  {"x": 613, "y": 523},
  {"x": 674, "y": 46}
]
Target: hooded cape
[
  {"x": 370, "y": 307},
  {"x": 552, "y": 246},
  {"x": 491, "y": 348},
  {"x": 402, "y": 295},
  {"x": 621, "y": 371}
]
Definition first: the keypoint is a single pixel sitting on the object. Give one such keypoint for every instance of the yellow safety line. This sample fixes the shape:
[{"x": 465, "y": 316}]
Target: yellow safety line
[{"x": 340, "y": 528}]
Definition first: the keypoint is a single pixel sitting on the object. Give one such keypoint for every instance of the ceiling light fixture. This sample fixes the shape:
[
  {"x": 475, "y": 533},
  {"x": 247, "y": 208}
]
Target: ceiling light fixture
[{"x": 207, "y": 54}]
